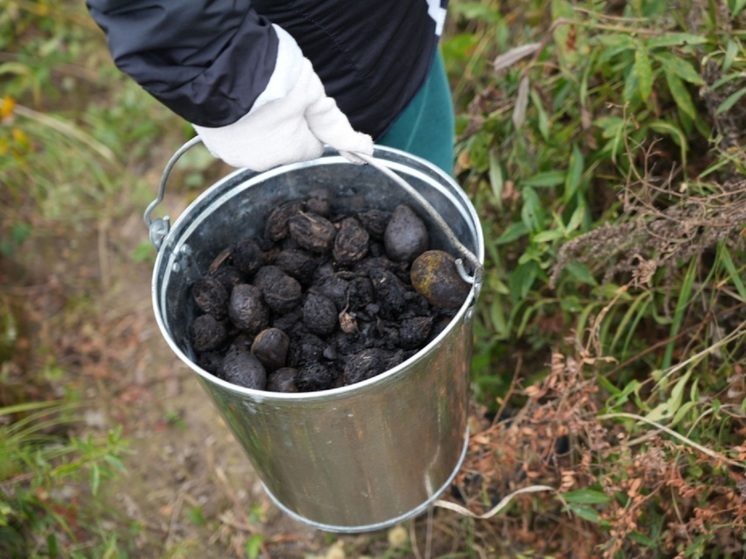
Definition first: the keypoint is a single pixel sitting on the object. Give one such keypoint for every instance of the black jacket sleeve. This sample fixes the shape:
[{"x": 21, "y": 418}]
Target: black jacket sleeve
[{"x": 207, "y": 60}]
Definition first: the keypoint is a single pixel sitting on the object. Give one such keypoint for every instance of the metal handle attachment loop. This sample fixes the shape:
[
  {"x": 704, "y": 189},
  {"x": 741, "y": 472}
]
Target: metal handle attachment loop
[{"x": 159, "y": 227}]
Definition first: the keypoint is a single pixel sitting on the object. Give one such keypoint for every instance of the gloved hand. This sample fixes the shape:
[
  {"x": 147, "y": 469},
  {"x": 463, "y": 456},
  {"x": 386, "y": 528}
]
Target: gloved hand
[{"x": 288, "y": 128}]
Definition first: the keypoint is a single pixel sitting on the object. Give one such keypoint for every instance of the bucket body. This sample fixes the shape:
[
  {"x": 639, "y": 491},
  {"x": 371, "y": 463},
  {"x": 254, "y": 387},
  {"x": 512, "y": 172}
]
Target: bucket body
[{"x": 361, "y": 457}]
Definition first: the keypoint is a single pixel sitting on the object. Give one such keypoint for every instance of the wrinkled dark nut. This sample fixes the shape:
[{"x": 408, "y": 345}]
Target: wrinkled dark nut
[
  {"x": 360, "y": 293},
  {"x": 211, "y": 361},
  {"x": 351, "y": 242},
  {"x": 282, "y": 380},
  {"x": 281, "y": 292},
  {"x": 243, "y": 369},
  {"x": 271, "y": 348},
  {"x": 388, "y": 333},
  {"x": 401, "y": 269},
  {"x": 325, "y": 270},
  {"x": 242, "y": 342},
  {"x": 247, "y": 257},
  {"x": 314, "y": 376},
  {"x": 333, "y": 288},
  {"x": 348, "y": 344},
  {"x": 319, "y": 314},
  {"x": 376, "y": 249},
  {"x": 229, "y": 277},
  {"x": 440, "y": 324},
  {"x": 406, "y": 235},
  {"x": 297, "y": 263},
  {"x": 413, "y": 332},
  {"x": 318, "y": 202},
  {"x": 247, "y": 310},
  {"x": 208, "y": 333},
  {"x": 288, "y": 322},
  {"x": 330, "y": 352},
  {"x": 211, "y": 296},
  {"x": 434, "y": 275},
  {"x": 390, "y": 291},
  {"x": 305, "y": 349},
  {"x": 366, "y": 364},
  {"x": 416, "y": 305},
  {"x": 370, "y": 311},
  {"x": 312, "y": 232},
  {"x": 276, "y": 227},
  {"x": 399, "y": 357},
  {"x": 375, "y": 222}
]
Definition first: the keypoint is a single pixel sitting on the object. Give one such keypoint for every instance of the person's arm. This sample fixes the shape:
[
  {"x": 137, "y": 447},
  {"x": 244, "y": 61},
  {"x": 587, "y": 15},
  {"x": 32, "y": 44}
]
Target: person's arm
[
  {"x": 244, "y": 83},
  {"x": 207, "y": 60}
]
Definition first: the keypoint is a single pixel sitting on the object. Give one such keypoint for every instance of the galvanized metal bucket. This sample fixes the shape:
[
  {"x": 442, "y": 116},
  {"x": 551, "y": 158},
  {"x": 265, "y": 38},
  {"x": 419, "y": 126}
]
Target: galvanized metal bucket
[{"x": 352, "y": 459}]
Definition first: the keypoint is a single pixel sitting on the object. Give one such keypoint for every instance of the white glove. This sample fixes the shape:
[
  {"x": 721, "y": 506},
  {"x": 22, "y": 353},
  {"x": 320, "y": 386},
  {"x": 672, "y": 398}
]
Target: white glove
[{"x": 291, "y": 121}]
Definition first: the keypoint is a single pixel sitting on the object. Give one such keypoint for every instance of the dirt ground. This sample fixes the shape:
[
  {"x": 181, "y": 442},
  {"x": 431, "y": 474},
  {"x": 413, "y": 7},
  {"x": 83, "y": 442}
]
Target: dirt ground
[
  {"x": 189, "y": 484},
  {"x": 189, "y": 490}
]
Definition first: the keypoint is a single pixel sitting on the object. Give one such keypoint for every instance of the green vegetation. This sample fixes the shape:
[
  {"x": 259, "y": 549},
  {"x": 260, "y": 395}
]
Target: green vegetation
[
  {"x": 42, "y": 476},
  {"x": 604, "y": 146},
  {"x": 61, "y": 171}
]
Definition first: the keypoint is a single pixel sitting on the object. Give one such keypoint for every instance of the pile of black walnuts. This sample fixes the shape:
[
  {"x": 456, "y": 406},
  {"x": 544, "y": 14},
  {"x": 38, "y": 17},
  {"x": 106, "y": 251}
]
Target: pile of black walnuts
[{"x": 321, "y": 300}]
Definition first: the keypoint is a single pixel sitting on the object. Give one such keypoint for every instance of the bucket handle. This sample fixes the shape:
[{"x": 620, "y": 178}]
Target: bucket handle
[
  {"x": 476, "y": 277},
  {"x": 158, "y": 228}
]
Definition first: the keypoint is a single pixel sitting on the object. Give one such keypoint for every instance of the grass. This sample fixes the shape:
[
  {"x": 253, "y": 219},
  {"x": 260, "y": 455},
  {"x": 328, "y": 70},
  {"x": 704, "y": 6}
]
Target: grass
[
  {"x": 44, "y": 475},
  {"x": 602, "y": 144},
  {"x": 604, "y": 148},
  {"x": 62, "y": 160}
]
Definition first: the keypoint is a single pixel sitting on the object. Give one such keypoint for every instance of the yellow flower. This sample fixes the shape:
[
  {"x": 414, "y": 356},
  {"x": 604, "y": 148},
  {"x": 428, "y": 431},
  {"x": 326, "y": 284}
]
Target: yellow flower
[
  {"x": 20, "y": 138},
  {"x": 7, "y": 104}
]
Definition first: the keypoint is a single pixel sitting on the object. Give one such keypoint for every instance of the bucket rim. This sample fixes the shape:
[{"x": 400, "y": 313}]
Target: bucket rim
[{"x": 389, "y": 375}]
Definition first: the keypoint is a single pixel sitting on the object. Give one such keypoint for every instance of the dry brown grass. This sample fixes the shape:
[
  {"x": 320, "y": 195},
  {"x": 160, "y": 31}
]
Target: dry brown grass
[{"x": 560, "y": 437}]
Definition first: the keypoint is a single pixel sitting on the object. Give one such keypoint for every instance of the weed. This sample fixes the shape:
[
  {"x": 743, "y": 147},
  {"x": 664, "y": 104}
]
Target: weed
[
  {"x": 41, "y": 513},
  {"x": 603, "y": 146}
]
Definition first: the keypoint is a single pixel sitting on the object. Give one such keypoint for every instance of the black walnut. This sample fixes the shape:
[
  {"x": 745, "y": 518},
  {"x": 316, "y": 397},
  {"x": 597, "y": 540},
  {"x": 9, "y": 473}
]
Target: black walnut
[
  {"x": 434, "y": 275},
  {"x": 271, "y": 348},
  {"x": 243, "y": 369},
  {"x": 406, "y": 235},
  {"x": 247, "y": 309}
]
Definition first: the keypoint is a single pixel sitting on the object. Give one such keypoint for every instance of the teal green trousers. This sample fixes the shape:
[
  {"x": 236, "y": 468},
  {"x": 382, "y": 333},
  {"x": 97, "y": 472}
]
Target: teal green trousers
[{"x": 425, "y": 128}]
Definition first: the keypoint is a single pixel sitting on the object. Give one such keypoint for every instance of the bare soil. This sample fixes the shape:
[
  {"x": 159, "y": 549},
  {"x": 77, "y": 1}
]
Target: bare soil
[{"x": 189, "y": 490}]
